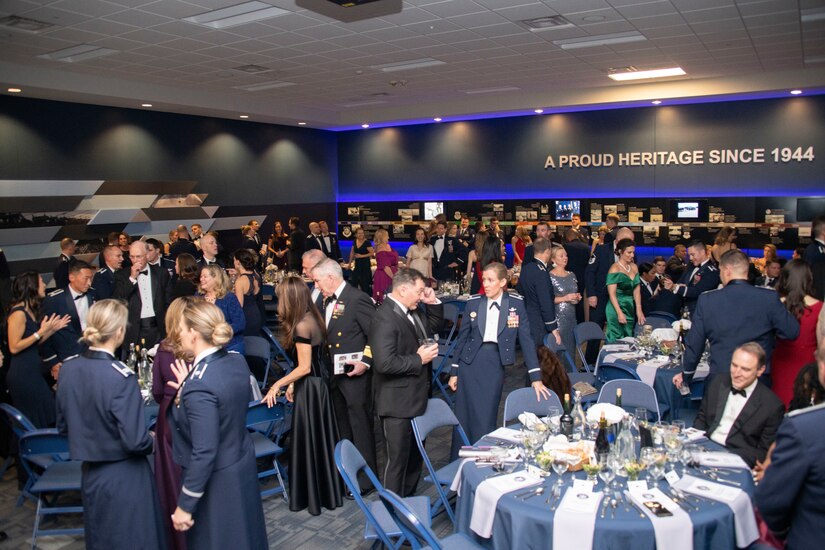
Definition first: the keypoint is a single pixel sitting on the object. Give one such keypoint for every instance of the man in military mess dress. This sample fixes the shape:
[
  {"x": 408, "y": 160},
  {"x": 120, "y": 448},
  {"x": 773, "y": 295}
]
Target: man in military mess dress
[
  {"x": 701, "y": 277},
  {"x": 347, "y": 313},
  {"x": 492, "y": 325},
  {"x": 104, "y": 281},
  {"x": 75, "y": 301},
  {"x": 66, "y": 259},
  {"x": 535, "y": 286},
  {"x": 100, "y": 409}
]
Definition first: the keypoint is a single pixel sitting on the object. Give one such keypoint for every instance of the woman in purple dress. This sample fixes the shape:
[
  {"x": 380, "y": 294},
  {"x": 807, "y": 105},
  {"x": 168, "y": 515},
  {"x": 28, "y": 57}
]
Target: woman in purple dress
[
  {"x": 167, "y": 472},
  {"x": 386, "y": 260}
]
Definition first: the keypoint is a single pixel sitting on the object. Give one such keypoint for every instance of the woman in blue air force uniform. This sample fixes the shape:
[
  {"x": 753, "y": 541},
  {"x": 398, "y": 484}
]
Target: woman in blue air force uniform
[
  {"x": 100, "y": 409},
  {"x": 219, "y": 504},
  {"x": 486, "y": 344}
]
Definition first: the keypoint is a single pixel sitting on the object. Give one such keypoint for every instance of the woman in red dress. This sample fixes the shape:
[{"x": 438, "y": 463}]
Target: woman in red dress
[
  {"x": 386, "y": 260},
  {"x": 795, "y": 289},
  {"x": 520, "y": 240}
]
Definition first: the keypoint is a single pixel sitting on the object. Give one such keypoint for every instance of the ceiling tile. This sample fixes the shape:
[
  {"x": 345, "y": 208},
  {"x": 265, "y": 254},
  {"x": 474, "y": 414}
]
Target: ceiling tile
[
  {"x": 643, "y": 23},
  {"x": 478, "y": 20},
  {"x": 454, "y": 8},
  {"x": 647, "y": 10},
  {"x": 95, "y": 8}
]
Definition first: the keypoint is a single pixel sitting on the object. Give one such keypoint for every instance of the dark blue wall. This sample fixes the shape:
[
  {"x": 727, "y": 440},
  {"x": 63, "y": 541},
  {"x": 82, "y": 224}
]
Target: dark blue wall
[{"x": 504, "y": 158}]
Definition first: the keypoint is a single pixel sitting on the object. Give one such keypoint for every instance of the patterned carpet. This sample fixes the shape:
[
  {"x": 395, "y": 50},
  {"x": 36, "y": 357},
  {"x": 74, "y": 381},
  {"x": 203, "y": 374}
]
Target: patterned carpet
[{"x": 333, "y": 530}]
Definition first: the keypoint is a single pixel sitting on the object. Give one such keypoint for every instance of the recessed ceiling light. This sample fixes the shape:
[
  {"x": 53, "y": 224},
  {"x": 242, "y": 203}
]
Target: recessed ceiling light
[
  {"x": 365, "y": 126},
  {"x": 14, "y": 90},
  {"x": 302, "y": 124},
  {"x": 269, "y": 85},
  {"x": 406, "y": 65},
  {"x": 538, "y": 111},
  {"x": 496, "y": 90},
  {"x": 599, "y": 40},
  {"x": 593, "y": 18},
  {"x": 233, "y": 16},
  {"x": 641, "y": 75},
  {"x": 145, "y": 104},
  {"x": 657, "y": 101},
  {"x": 244, "y": 116},
  {"x": 793, "y": 92},
  {"x": 77, "y": 53},
  {"x": 437, "y": 119}
]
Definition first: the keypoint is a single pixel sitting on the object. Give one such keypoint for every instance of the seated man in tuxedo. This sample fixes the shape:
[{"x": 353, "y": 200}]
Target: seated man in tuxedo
[
  {"x": 73, "y": 300},
  {"x": 103, "y": 285},
  {"x": 61, "y": 270},
  {"x": 740, "y": 412},
  {"x": 772, "y": 270},
  {"x": 147, "y": 291}
]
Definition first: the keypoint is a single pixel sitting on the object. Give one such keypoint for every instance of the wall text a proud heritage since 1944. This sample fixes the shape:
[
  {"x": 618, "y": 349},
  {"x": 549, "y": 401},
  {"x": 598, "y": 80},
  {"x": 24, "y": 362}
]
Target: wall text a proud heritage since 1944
[{"x": 755, "y": 155}]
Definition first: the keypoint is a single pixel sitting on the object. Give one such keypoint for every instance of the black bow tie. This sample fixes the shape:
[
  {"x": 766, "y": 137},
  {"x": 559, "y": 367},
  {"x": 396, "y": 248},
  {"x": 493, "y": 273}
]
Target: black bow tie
[
  {"x": 734, "y": 391},
  {"x": 144, "y": 272},
  {"x": 328, "y": 300},
  {"x": 79, "y": 296},
  {"x": 208, "y": 262},
  {"x": 495, "y": 305}
]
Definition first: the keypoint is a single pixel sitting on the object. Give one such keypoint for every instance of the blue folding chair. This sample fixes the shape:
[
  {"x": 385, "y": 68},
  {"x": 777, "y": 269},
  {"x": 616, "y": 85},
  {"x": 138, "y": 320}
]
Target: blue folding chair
[
  {"x": 438, "y": 415},
  {"x": 380, "y": 527},
  {"x": 417, "y": 531},
  {"x": 258, "y": 356},
  {"x": 58, "y": 477},
  {"x": 445, "y": 362},
  {"x": 586, "y": 332},
  {"x": 450, "y": 313},
  {"x": 669, "y": 317},
  {"x": 278, "y": 353},
  {"x": 615, "y": 371},
  {"x": 264, "y": 423},
  {"x": 635, "y": 393},
  {"x": 561, "y": 351},
  {"x": 524, "y": 400}
]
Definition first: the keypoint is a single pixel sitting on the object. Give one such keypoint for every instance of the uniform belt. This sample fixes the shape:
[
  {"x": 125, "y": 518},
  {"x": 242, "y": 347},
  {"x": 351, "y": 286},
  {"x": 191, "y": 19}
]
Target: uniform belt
[{"x": 148, "y": 322}]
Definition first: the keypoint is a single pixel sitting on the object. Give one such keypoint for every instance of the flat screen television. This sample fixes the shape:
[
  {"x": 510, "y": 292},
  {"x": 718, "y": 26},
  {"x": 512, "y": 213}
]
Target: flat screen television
[
  {"x": 689, "y": 210},
  {"x": 809, "y": 207},
  {"x": 566, "y": 209},
  {"x": 433, "y": 209}
]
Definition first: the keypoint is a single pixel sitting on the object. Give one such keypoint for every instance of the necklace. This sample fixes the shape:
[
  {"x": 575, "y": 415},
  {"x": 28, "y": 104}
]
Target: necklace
[{"x": 627, "y": 268}]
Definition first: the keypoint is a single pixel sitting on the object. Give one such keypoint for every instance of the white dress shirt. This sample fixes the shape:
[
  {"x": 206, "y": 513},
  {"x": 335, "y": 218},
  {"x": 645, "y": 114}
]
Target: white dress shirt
[
  {"x": 438, "y": 246},
  {"x": 491, "y": 324},
  {"x": 144, "y": 283},
  {"x": 81, "y": 305},
  {"x": 733, "y": 406}
]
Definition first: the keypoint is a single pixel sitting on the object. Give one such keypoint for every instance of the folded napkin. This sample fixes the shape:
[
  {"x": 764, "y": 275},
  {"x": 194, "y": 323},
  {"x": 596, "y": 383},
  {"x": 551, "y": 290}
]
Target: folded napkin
[
  {"x": 613, "y": 356},
  {"x": 555, "y": 442},
  {"x": 683, "y": 323},
  {"x": 744, "y": 519},
  {"x": 672, "y": 532},
  {"x": 612, "y": 413},
  {"x": 528, "y": 420},
  {"x": 513, "y": 456},
  {"x": 575, "y": 520},
  {"x": 489, "y": 492},
  {"x": 475, "y": 452},
  {"x": 615, "y": 347},
  {"x": 507, "y": 434},
  {"x": 647, "y": 370},
  {"x": 722, "y": 460},
  {"x": 627, "y": 340},
  {"x": 693, "y": 434},
  {"x": 664, "y": 335}
]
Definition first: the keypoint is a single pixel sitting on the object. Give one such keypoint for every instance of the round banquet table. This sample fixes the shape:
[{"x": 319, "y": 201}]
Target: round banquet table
[{"x": 528, "y": 524}]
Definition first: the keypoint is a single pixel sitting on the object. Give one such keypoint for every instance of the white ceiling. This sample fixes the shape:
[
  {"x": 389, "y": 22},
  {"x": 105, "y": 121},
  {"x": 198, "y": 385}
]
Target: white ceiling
[{"x": 329, "y": 53}]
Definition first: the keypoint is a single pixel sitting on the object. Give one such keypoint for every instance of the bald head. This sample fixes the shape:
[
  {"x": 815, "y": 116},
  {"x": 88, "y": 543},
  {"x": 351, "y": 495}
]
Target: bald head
[
  {"x": 137, "y": 253},
  {"x": 625, "y": 233}
]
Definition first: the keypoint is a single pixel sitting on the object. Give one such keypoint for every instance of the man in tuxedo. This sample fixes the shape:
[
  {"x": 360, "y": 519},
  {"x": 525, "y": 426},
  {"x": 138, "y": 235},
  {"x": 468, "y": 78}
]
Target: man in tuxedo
[
  {"x": 154, "y": 256},
  {"x": 314, "y": 239},
  {"x": 73, "y": 300},
  {"x": 539, "y": 300},
  {"x": 331, "y": 241},
  {"x": 403, "y": 372},
  {"x": 772, "y": 270},
  {"x": 197, "y": 233},
  {"x": 147, "y": 291},
  {"x": 578, "y": 255},
  {"x": 701, "y": 277},
  {"x": 595, "y": 281},
  {"x": 296, "y": 244},
  {"x": 103, "y": 285},
  {"x": 466, "y": 240},
  {"x": 180, "y": 246},
  {"x": 582, "y": 234},
  {"x": 542, "y": 232},
  {"x": 445, "y": 247},
  {"x": 676, "y": 264},
  {"x": 348, "y": 313},
  {"x": 209, "y": 249},
  {"x": 740, "y": 412},
  {"x": 61, "y": 270},
  {"x": 792, "y": 490},
  {"x": 734, "y": 315},
  {"x": 309, "y": 260},
  {"x": 649, "y": 285}
]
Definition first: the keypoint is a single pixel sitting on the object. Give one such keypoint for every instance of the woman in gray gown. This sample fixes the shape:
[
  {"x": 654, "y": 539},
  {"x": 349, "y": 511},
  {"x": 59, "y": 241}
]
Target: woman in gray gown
[{"x": 565, "y": 288}]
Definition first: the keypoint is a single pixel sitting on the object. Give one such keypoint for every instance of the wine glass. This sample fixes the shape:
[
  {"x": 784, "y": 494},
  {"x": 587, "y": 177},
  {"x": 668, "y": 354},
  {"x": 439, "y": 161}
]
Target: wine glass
[
  {"x": 647, "y": 456},
  {"x": 607, "y": 474},
  {"x": 560, "y": 465},
  {"x": 673, "y": 442},
  {"x": 641, "y": 416},
  {"x": 615, "y": 463},
  {"x": 679, "y": 425},
  {"x": 553, "y": 415},
  {"x": 656, "y": 468}
]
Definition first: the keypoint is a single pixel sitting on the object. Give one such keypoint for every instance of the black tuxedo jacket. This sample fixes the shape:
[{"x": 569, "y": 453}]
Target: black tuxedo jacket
[
  {"x": 334, "y": 252},
  {"x": 61, "y": 271},
  {"x": 754, "y": 429},
  {"x": 179, "y": 247},
  {"x": 578, "y": 256},
  {"x": 401, "y": 381},
  {"x": 449, "y": 255},
  {"x": 128, "y": 291},
  {"x": 762, "y": 281},
  {"x": 349, "y": 325},
  {"x": 63, "y": 343}
]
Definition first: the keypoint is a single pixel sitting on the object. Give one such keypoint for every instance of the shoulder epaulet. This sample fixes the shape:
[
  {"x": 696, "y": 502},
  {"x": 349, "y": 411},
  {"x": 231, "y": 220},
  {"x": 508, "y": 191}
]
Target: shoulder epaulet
[
  {"x": 75, "y": 356},
  {"x": 474, "y": 297},
  {"x": 122, "y": 369},
  {"x": 516, "y": 296},
  {"x": 102, "y": 270},
  {"x": 56, "y": 292},
  {"x": 233, "y": 351},
  {"x": 799, "y": 412},
  {"x": 713, "y": 267}
]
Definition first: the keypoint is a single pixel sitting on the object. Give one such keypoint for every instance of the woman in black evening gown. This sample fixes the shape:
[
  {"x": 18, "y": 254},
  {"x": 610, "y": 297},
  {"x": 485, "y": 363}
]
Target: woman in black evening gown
[
  {"x": 277, "y": 246},
  {"x": 360, "y": 257},
  {"x": 248, "y": 290},
  {"x": 30, "y": 393},
  {"x": 313, "y": 479}
]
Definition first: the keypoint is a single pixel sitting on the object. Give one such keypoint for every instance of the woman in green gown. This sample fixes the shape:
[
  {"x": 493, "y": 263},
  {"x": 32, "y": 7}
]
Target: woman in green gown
[{"x": 625, "y": 295}]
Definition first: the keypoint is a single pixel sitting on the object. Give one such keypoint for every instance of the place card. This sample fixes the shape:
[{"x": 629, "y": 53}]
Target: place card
[
  {"x": 637, "y": 486},
  {"x": 583, "y": 485},
  {"x": 671, "y": 477}
]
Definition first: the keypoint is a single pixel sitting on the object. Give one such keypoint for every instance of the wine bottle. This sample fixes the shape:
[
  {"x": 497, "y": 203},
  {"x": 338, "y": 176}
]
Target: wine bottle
[
  {"x": 602, "y": 444},
  {"x": 131, "y": 360},
  {"x": 618, "y": 397},
  {"x": 144, "y": 371},
  {"x": 566, "y": 420},
  {"x": 579, "y": 418}
]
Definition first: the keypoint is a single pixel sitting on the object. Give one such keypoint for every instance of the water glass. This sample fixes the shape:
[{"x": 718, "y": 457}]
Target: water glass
[
  {"x": 679, "y": 424},
  {"x": 641, "y": 416},
  {"x": 607, "y": 474}
]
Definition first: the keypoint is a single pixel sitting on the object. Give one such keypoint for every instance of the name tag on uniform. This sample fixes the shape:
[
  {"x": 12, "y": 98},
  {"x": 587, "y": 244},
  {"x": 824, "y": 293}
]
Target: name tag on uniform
[
  {"x": 512, "y": 318},
  {"x": 340, "y": 361}
]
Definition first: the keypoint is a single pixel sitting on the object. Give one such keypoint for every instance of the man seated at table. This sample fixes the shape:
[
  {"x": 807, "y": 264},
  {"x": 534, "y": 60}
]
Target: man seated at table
[{"x": 740, "y": 412}]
